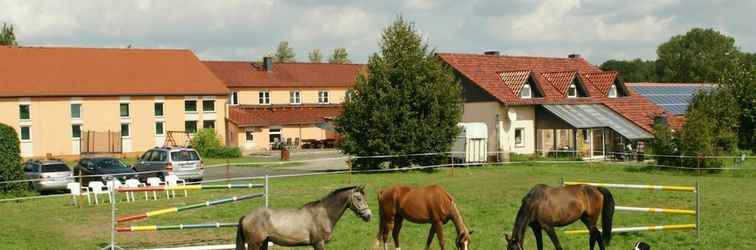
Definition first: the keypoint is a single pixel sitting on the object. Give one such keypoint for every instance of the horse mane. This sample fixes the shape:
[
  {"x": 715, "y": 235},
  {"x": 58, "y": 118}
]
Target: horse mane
[
  {"x": 328, "y": 196},
  {"x": 525, "y": 213}
]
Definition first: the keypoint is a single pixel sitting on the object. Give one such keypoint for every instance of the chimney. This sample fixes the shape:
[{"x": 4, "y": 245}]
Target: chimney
[
  {"x": 268, "y": 63},
  {"x": 491, "y": 53},
  {"x": 573, "y": 56}
]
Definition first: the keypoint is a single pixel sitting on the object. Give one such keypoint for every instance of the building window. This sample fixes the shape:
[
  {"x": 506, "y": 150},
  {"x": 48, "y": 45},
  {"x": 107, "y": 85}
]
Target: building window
[
  {"x": 323, "y": 96},
  {"x": 190, "y": 126},
  {"x": 250, "y": 136},
  {"x": 275, "y": 135},
  {"x": 208, "y": 106},
  {"x": 125, "y": 131},
  {"x": 612, "y": 91},
  {"x": 159, "y": 128},
  {"x": 124, "y": 110},
  {"x": 76, "y": 131},
  {"x": 24, "y": 112},
  {"x": 159, "y": 109},
  {"x": 526, "y": 92},
  {"x": 208, "y": 124},
  {"x": 25, "y": 133},
  {"x": 234, "y": 98},
  {"x": 190, "y": 106},
  {"x": 572, "y": 91},
  {"x": 76, "y": 110},
  {"x": 295, "y": 97},
  {"x": 519, "y": 137},
  {"x": 264, "y": 97}
]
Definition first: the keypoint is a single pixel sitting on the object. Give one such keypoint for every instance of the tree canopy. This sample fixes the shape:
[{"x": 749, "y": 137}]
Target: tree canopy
[
  {"x": 284, "y": 53},
  {"x": 315, "y": 56},
  {"x": 339, "y": 55},
  {"x": 10, "y": 161},
  {"x": 636, "y": 70},
  {"x": 408, "y": 102},
  {"x": 700, "y": 55},
  {"x": 8, "y": 35}
]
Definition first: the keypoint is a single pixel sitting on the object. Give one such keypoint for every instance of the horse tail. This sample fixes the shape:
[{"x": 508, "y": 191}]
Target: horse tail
[
  {"x": 240, "y": 241},
  {"x": 607, "y": 212}
]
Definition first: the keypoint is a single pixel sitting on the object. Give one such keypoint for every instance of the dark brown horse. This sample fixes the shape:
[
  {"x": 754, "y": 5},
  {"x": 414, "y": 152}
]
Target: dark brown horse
[
  {"x": 545, "y": 207},
  {"x": 311, "y": 225},
  {"x": 431, "y": 204}
]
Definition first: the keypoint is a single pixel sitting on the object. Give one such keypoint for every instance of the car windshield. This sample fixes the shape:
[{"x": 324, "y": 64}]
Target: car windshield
[
  {"x": 55, "y": 168},
  {"x": 109, "y": 163},
  {"x": 186, "y": 155}
]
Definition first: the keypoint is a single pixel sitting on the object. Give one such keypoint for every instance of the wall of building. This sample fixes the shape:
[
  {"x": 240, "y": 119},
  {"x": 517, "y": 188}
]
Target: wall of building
[
  {"x": 519, "y": 117},
  {"x": 51, "y": 122},
  {"x": 250, "y": 96}
]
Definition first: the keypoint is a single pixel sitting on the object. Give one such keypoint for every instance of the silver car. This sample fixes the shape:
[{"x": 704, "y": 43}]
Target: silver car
[
  {"x": 48, "y": 175},
  {"x": 185, "y": 163}
]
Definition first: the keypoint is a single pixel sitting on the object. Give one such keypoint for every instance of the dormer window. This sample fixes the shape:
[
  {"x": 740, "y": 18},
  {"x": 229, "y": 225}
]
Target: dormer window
[
  {"x": 572, "y": 91},
  {"x": 612, "y": 93},
  {"x": 526, "y": 92}
]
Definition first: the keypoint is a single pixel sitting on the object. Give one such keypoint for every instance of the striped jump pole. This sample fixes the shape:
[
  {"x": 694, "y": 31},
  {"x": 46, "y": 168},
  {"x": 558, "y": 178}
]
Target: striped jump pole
[
  {"x": 188, "y": 207},
  {"x": 635, "y": 186},
  {"x": 640, "y": 229},
  {"x": 656, "y": 210},
  {"x": 189, "y": 187},
  {"x": 151, "y": 228}
]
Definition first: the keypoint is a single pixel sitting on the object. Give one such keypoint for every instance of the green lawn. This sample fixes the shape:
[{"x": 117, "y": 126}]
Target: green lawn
[{"x": 488, "y": 197}]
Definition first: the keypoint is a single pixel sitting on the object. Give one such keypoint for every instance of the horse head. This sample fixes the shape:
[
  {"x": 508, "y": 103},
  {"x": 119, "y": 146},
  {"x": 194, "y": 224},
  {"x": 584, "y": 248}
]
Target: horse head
[
  {"x": 463, "y": 240},
  {"x": 513, "y": 243},
  {"x": 358, "y": 203}
]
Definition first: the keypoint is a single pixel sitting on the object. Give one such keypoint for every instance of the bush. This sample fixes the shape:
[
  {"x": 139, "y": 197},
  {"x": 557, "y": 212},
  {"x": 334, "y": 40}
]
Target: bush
[
  {"x": 10, "y": 161},
  {"x": 665, "y": 145},
  {"x": 710, "y": 129},
  {"x": 208, "y": 144}
]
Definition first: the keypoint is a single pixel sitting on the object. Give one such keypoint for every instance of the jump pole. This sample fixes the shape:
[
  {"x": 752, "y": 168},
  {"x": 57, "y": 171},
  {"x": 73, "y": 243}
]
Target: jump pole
[
  {"x": 151, "y": 228},
  {"x": 656, "y": 210},
  {"x": 635, "y": 186},
  {"x": 189, "y": 187},
  {"x": 639, "y": 229},
  {"x": 187, "y": 207}
]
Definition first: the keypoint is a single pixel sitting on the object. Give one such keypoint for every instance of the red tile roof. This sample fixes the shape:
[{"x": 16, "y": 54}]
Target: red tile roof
[
  {"x": 47, "y": 71},
  {"x": 560, "y": 80},
  {"x": 252, "y": 116},
  {"x": 553, "y": 76},
  {"x": 253, "y": 74},
  {"x": 515, "y": 79}
]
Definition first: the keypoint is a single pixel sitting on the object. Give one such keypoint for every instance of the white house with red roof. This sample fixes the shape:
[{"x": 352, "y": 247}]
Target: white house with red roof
[{"x": 547, "y": 105}]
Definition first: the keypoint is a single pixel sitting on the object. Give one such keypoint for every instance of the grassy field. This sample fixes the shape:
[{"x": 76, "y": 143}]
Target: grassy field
[{"x": 488, "y": 197}]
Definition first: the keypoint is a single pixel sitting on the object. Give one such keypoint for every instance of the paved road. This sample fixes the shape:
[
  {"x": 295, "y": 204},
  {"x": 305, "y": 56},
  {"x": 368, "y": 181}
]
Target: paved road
[{"x": 322, "y": 161}]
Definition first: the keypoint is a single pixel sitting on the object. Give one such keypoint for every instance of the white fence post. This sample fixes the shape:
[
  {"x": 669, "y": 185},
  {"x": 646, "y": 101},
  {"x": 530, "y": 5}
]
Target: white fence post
[{"x": 267, "y": 190}]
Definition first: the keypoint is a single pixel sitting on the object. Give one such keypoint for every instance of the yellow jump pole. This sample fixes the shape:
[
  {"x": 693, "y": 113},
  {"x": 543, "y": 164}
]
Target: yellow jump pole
[
  {"x": 635, "y": 186},
  {"x": 640, "y": 229},
  {"x": 656, "y": 210}
]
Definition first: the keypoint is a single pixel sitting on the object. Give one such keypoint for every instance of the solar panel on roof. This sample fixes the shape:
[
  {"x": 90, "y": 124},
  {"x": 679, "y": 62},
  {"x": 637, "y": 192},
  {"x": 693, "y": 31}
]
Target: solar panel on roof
[{"x": 674, "y": 99}]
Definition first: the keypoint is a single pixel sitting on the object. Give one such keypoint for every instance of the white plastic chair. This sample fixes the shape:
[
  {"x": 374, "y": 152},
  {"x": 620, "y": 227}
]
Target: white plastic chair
[
  {"x": 113, "y": 186},
  {"x": 172, "y": 181},
  {"x": 76, "y": 189},
  {"x": 155, "y": 182},
  {"x": 97, "y": 188},
  {"x": 133, "y": 183}
]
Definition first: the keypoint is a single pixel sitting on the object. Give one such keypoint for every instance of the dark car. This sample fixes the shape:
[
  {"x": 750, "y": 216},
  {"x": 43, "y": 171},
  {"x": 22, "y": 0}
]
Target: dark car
[{"x": 103, "y": 166}]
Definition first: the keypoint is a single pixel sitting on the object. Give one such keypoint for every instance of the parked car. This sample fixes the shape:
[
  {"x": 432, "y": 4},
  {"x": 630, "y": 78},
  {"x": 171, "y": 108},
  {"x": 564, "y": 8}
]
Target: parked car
[
  {"x": 54, "y": 175},
  {"x": 103, "y": 166},
  {"x": 183, "y": 162}
]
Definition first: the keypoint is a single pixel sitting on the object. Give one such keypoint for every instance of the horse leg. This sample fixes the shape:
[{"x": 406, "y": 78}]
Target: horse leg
[
  {"x": 552, "y": 235},
  {"x": 538, "y": 236},
  {"x": 595, "y": 234},
  {"x": 320, "y": 245},
  {"x": 430, "y": 238},
  {"x": 384, "y": 235},
  {"x": 395, "y": 232},
  {"x": 439, "y": 228}
]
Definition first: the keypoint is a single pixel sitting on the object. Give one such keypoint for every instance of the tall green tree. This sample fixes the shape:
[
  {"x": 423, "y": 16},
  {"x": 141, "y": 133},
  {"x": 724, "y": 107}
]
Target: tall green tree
[
  {"x": 339, "y": 55},
  {"x": 711, "y": 127},
  {"x": 700, "y": 55},
  {"x": 315, "y": 56},
  {"x": 8, "y": 35},
  {"x": 284, "y": 53},
  {"x": 10, "y": 161},
  {"x": 740, "y": 83},
  {"x": 636, "y": 70},
  {"x": 408, "y": 102}
]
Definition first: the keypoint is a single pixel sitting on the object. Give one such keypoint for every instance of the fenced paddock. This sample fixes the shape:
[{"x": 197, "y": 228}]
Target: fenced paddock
[{"x": 487, "y": 196}]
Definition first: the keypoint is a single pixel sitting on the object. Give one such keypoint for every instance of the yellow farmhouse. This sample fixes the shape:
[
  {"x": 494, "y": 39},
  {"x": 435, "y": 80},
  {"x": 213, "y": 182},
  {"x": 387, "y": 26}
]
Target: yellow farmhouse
[
  {"x": 62, "y": 100},
  {"x": 283, "y": 103}
]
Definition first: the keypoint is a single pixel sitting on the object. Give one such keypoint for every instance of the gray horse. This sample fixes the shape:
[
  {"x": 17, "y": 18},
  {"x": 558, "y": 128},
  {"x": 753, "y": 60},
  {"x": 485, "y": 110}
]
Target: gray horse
[{"x": 311, "y": 225}]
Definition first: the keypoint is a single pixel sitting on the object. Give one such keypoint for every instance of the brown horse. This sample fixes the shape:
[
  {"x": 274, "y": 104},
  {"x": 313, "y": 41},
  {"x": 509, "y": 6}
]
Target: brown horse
[
  {"x": 431, "y": 204},
  {"x": 546, "y": 207}
]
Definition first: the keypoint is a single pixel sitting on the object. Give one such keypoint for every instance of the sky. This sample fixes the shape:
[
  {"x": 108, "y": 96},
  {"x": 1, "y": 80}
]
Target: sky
[{"x": 248, "y": 30}]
